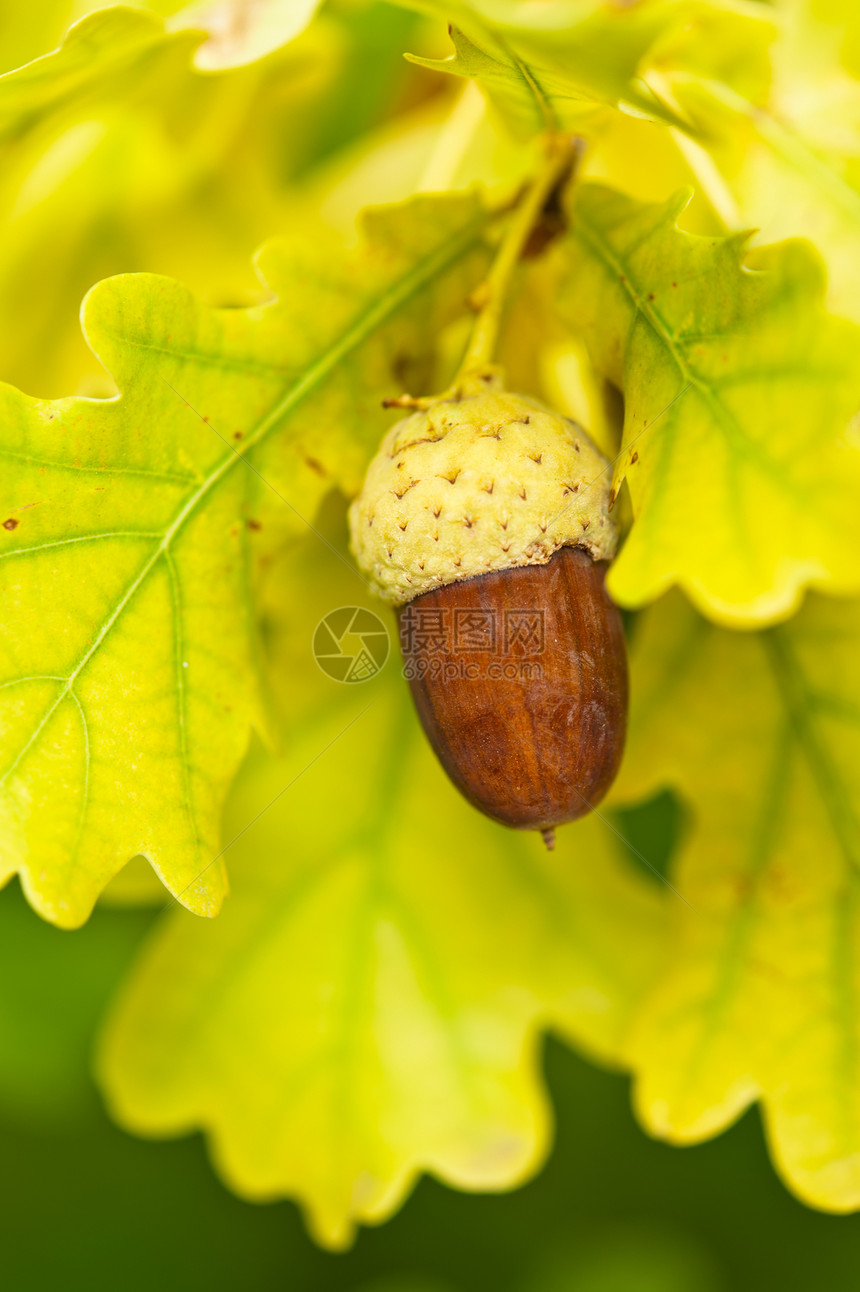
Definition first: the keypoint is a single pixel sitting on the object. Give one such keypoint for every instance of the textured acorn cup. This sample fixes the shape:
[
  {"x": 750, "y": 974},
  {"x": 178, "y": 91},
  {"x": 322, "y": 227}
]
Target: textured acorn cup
[
  {"x": 541, "y": 744},
  {"x": 484, "y": 511}
]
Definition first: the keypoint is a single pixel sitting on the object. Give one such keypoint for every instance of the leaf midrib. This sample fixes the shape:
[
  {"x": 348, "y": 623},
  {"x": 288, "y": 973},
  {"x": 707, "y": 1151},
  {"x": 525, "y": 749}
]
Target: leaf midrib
[
  {"x": 542, "y": 99},
  {"x": 795, "y": 692},
  {"x": 734, "y": 432},
  {"x": 797, "y": 735},
  {"x": 359, "y": 331},
  {"x": 796, "y": 696},
  {"x": 497, "y": 45},
  {"x": 762, "y": 836}
]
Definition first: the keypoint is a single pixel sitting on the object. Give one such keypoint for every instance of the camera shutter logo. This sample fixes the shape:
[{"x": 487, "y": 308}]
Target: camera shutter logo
[{"x": 351, "y": 644}]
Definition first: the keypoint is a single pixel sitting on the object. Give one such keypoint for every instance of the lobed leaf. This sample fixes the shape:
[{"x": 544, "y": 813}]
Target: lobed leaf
[
  {"x": 130, "y": 528},
  {"x": 760, "y": 734},
  {"x": 367, "y": 1005},
  {"x": 554, "y": 67},
  {"x": 738, "y": 389}
]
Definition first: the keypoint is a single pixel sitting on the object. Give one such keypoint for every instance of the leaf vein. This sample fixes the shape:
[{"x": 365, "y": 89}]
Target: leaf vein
[
  {"x": 373, "y": 315},
  {"x": 722, "y": 414},
  {"x": 82, "y": 538},
  {"x": 176, "y": 477}
]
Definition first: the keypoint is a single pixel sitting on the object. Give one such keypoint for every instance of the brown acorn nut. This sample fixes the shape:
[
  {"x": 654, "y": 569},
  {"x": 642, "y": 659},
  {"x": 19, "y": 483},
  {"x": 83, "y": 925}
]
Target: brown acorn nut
[
  {"x": 531, "y": 730},
  {"x": 495, "y": 511}
]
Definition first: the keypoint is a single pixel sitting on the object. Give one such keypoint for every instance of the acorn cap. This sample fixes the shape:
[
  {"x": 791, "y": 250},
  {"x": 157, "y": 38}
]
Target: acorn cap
[{"x": 473, "y": 481}]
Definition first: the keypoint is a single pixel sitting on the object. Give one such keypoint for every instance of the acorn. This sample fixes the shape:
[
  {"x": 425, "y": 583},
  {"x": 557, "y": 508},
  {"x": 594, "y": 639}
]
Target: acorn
[{"x": 484, "y": 519}]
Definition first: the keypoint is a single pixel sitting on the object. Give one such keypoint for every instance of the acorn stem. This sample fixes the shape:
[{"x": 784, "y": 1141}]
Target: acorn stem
[{"x": 562, "y": 156}]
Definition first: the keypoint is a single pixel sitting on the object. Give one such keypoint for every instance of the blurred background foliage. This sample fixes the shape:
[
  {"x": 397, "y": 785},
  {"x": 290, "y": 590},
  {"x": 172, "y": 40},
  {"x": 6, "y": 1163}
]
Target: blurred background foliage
[
  {"x": 147, "y": 164},
  {"x": 157, "y": 167},
  {"x": 84, "y": 1206}
]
